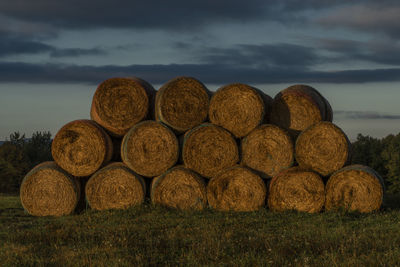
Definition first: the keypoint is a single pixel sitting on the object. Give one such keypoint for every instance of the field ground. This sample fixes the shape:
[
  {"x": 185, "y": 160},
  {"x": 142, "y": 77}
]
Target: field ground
[{"x": 156, "y": 236}]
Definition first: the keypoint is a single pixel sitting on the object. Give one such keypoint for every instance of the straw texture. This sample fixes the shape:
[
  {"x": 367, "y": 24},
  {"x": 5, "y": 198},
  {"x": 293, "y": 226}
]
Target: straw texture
[
  {"x": 208, "y": 149},
  {"x": 182, "y": 103},
  {"x": 267, "y": 149},
  {"x": 150, "y": 148},
  {"x": 120, "y": 103},
  {"x": 47, "y": 190},
  {"x": 81, "y": 147},
  {"x": 239, "y": 108},
  {"x": 323, "y": 147},
  {"x": 298, "y": 107},
  {"x": 115, "y": 187},
  {"x": 355, "y": 188},
  {"x": 236, "y": 189},
  {"x": 296, "y": 189},
  {"x": 179, "y": 188}
]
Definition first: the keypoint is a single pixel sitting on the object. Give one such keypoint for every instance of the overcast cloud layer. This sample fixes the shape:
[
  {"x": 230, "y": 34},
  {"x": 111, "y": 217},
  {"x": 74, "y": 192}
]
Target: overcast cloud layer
[{"x": 334, "y": 41}]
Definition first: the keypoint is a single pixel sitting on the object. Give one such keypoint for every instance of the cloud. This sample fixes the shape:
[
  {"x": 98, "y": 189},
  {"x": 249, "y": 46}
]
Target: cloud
[
  {"x": 374, "y": 51},
  {"x": 17, "y": 44},
  {"x": 208, "y": 73},
  {"x": 76, "y": 52},
  {"x": 174, "y": 14},
  {"x": 170, "y": 15},
  {"x": 372, "y": 115},
  {"x": 372, "y": 17},
  {"x": 282, "y": 54}
]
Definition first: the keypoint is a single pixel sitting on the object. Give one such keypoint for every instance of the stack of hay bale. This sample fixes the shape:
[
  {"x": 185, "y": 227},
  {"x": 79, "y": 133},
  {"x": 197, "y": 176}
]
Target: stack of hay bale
[{"x": 186, "y": 148}]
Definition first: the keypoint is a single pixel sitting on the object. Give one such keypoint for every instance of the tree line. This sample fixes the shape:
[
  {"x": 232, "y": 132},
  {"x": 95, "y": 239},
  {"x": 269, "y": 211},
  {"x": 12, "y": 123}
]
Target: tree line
[{"x": 19, "y": 154}]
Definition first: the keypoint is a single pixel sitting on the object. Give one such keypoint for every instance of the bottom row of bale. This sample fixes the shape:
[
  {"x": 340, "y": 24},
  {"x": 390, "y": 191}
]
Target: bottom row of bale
[{"x": 47, "y": 190}]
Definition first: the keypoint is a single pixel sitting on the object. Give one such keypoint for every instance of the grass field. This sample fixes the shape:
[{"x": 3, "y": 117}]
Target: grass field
[{"x": 156, "y": 236}]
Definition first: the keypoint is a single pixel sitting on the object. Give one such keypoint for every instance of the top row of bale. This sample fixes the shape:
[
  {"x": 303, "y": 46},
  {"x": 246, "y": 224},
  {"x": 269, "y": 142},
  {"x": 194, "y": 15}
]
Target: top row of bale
[{"x": 184, "y": 102}]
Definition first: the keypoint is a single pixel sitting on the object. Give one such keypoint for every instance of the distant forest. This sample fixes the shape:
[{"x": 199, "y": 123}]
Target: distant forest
[{"x": 18, "y": 155}]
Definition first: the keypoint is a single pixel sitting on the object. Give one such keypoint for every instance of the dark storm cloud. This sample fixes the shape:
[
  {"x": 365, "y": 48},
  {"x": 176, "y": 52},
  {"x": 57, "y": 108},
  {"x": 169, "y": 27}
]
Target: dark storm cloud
[
  {"x": 281, "y": 54},
  {"x": 136, "y": 14},
  {"x": 208, "y": 73},
  {"x": 77, "y": 52},
  {"x": 17, "y": 44},
  {"x": 172, "y": 14},
  {"x": 364, "y": 15},
  {"x": 371, "y": 115},
  {"x": 375, "y": 51}
]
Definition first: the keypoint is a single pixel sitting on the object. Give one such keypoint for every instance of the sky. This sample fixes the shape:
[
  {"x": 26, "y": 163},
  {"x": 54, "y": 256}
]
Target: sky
[{"x": 53, "y": 54}]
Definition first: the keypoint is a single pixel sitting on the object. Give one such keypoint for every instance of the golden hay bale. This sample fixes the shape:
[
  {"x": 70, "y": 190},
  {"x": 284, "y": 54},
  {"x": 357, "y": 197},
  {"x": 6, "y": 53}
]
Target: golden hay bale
[
  {"x": 267, "y": 149},
  {"x": 150, "y": 148},
  {"x": 115, "y": 187},
  {"x": 179, "y": 188},
  {"x": 296, "y": 189},
  {"x": 354, "y": 188},
  {"x": 81, "y": 147},
  {"x": 182, "y": 103},
  {"x": 298, "y": 107},
  {"x": 48, "y": 190},
  {"x": 237, "y": 189},
  {"x": 207, "y": 149},
  {"x": 323, "y": 148},
  {"x": 239, "y": 108},
  {"x": 120, "y": 103}
]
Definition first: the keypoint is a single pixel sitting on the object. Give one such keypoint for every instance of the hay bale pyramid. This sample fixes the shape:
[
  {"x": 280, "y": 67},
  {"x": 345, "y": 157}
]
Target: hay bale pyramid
[{"x": 184, "y": 147}]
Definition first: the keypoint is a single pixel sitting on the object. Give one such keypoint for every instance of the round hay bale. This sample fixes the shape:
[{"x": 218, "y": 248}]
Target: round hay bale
[
  {"x": 298, "y": 107},
  {"x": 81, "y": 147},
  {"x": 355, "y": 188},
  {"x": 150, "y": 148},
  {"x": 182, "y": 103},
  {"x": 115, "y": 187},
  {"x": 208, "y": 149},
  {"x": 48, "y": 190},
  {"x": 323, "y": 148},
  {"x": 179, "y": 188},
  {"x": 236, "y": 189},
  {"x": 267, "y": 149},
  {"x": 120, "y": 103},
  {"x": 296, "y": 189},
  {"x": 239, "y": 108}
]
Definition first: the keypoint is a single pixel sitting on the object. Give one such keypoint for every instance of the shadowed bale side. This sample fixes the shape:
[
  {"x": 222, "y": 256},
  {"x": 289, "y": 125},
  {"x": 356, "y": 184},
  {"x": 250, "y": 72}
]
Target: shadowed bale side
[
  {"x": 115, "y": 187},
  {"x": 236, "y": 189},
  {"x": 298, "y": 107},
  {"x": 150, "y": 148},
  {"x": 81, "y": 147},
  {"x": 239, "y": 108},
  {"x": 48, "y": 190},
  {"x": 179, "y": 188},
  {"x": 296, "y": 189},
  {"x": 208, "y": 149},
  {"x": 355, "y": 188},
  {"x": 182, "y": 103},
  {"x": 120, "y": 103},
  {"x": 323, "y": 148},
  {"x": 267, "y": 149}
]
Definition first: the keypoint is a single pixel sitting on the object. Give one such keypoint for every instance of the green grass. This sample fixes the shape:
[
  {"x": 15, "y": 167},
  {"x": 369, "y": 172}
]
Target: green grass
[{"x": 155, "y": 236}]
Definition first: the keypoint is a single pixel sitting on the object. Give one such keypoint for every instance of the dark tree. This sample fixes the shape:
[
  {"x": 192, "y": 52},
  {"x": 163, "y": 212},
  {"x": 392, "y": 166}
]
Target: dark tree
[{"x": 19, "y": 155}]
